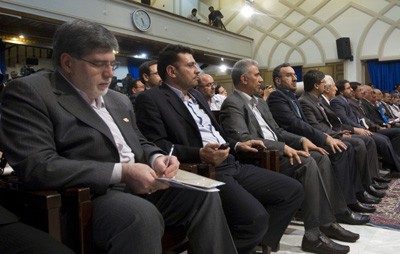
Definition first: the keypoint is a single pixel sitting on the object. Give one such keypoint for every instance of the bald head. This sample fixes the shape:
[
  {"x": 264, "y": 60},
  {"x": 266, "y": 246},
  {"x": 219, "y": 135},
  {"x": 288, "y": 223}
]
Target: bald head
[{"x": 206, "y": 86}]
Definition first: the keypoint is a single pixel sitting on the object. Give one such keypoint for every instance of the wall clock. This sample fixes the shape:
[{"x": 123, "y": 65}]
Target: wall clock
[{"x": 141, "y": 20}]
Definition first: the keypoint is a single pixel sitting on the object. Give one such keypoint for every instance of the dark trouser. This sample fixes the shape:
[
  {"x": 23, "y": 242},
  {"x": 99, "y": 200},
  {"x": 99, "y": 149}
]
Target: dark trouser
[
  {"x": 126, "y": 223},
  {"x": 366, "y": 157},
  {"x": 321, "y": 189},
  {"x": 258, "y": 203},
  {"x": 346, "y": 173},
  {"x": 17, "y": 237},
  {"x": 383, "y": 143}
]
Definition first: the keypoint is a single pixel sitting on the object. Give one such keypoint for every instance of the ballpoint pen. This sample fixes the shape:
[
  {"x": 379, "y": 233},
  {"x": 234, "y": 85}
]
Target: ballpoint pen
[{"x": 169, "y": 157}]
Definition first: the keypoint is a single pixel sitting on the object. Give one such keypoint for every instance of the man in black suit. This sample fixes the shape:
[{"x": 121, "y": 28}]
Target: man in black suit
[
  {"x": 316, "y": 114},
  {"x": 135, "y": 86},
  {"x": 148, "y": 74},
  {"x": 67, "y": 129},
  {"x": 288, "y": 114},
  {"x": 244, "y": 117},
  {"x": 347, "y": 115},
  {"x": 258, "y": 203}
]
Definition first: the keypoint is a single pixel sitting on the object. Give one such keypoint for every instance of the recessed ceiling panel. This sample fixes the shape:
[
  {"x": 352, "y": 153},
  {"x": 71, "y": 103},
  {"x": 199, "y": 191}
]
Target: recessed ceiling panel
[
  {"x": 294, "y": 37},
  {"x": 311, "y": 52},
  {"x": 391, "y": 48},
  {"x": 346, "y": 21},
  {"x": 328, "y": 42},
  {"x": 280, "y": 30},
  {"x": 393, "y": 13},
  {"x": 294, "y": 17},
  {"x": 374, "y": 38}
]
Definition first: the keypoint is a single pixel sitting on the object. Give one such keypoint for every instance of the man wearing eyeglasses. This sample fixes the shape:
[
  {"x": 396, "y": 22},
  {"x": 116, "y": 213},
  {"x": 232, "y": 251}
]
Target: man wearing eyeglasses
[
  {"x": 207, "y": 87},
  {"x": 148, "y": 74},
  {"x": 65, "y": 129}
]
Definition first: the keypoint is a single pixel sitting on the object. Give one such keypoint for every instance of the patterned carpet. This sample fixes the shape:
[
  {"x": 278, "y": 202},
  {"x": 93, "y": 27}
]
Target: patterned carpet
[{"x": 387, "y": 214}]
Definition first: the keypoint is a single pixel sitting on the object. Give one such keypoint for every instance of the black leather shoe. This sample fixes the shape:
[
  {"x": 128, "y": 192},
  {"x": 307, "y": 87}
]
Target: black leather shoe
[
  {"x": 393, "y": 174},
  {"x": 352, "y": 218},
  {"x": 382, "y": 179},
  {"x": 379, "y": 186},
  {"x": 361, "y": 208},
  {"x": 335, "y": 231},
  {"x": 365, "y": 197},
  {"x": 323, "y": 245},
  {"x": 371, "y": 190}
]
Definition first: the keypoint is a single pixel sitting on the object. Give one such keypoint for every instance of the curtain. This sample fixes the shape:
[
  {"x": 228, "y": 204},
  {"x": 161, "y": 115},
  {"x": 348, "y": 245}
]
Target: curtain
[
  {"x": 133, "y": 66},
  {"x": 299, "y": 72},
  {"x": 384, "y": 75}
]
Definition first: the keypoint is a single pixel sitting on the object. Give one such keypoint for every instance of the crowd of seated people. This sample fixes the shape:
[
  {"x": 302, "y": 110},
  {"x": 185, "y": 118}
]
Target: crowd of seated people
[{"x": 67, "y": 129}]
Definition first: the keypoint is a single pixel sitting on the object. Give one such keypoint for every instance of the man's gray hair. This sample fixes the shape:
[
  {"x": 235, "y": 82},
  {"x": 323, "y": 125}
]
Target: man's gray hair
[
  {"x": 328, "y": 80},
  {"x": 241, "y": 67},
  {"x": 80, "y": 38}
]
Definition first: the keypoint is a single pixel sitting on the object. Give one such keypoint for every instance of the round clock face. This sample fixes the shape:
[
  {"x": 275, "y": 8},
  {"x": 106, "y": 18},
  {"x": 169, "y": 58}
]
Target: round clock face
[{"x": 141, "y": 20}]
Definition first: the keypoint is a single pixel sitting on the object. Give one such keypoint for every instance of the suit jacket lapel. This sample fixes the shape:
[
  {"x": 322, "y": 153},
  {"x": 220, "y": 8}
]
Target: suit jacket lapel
[
  {"x": 267, "y": 120},
  {"x": 178, "y": 105},
  {"x": 72, "y": 102},
  {"x": 123, "y": 120}
]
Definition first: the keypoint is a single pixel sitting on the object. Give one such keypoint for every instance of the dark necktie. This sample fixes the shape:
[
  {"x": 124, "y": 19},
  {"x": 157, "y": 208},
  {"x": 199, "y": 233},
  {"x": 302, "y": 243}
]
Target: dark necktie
[{"x": 293, "y": 99}]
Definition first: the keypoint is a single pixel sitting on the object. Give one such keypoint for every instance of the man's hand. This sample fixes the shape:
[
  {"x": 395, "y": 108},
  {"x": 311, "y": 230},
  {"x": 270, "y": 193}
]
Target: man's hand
[
  {"x": 250, "y": 146},
  {"x": 310, "y": 146},
  {"x": 364, "y": 132},
  {"x": 335, "y": 144},
  {"x": 290, "y": 152},
  {"x": 140, "y": 178},
  {"x": 160, "y": 163},
  {"x": 210, "y": 154}
]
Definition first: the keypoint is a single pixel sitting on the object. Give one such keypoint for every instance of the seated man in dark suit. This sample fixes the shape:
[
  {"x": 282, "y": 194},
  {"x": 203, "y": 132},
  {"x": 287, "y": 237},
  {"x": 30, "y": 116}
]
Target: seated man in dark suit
[
  {"x": 258, "y": 203},
  {"x": 135, "y": 86},
  {"x": 319, "y": 115},
  {"x": 244, "y": 116},
  {"x": 148, "y": 74},
  {"x": 66, "y": 129},
  {"x": 347, "y": 115},
  {"x": 288, "y": 114}
]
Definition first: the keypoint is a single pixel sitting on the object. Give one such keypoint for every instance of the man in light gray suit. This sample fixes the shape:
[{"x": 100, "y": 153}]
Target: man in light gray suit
[
  {"x": 243, "y": 116},
  {"x": 65, "y": 129}
]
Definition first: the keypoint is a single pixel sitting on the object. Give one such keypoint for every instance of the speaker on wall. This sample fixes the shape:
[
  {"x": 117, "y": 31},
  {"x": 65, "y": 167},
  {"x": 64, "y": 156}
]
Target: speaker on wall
[{"x": 344, "y": 48}]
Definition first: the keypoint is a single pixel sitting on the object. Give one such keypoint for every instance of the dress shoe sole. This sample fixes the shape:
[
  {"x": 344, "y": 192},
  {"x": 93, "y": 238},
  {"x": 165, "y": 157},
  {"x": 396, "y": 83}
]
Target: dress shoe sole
[{"x": 319, "y": 251}]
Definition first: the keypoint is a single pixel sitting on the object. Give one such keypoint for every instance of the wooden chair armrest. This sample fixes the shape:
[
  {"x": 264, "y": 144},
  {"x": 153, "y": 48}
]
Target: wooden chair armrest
[
  {"x": 203, "y": 169},
  {"x": 268, "y": 159},
  {"x": 80, "y": 201},
  {"x": 40, "y": 209}
]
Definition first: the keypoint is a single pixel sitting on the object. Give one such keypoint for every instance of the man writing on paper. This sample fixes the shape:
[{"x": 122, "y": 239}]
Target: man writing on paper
[{"x": 66, "y": 129}]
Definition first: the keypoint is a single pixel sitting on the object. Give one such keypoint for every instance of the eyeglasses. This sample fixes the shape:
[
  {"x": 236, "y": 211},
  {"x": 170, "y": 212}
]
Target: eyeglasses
[
  {"x": 288, "y": 75},
  {"x": 208, "y": 85},
  {"x": 102, "y": 64}
]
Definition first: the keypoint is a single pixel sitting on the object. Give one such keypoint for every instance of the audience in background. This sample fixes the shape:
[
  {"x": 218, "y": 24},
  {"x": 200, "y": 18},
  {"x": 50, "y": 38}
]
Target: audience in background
[
  {"x": 207, "y": 87},
  {"x": 214, "y": 18},
  {"x": 268, "y": 90},
  {"x": 193, "y": 15},
  {"x": 135, "y": 86},
  {"x": 220, "y": 90},
  {"x": 148, "y": 74}
]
